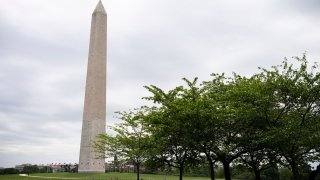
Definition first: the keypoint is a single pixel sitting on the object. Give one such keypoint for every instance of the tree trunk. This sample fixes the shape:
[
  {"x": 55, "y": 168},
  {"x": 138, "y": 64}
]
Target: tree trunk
[
  {"x": 257, "y": 173},
  {"x": 138, "y": 171},
  {"x": 296, "y": 175},
  {"x": 211, "y": 165},
  {"x": 226, "y": 169},
  {"x": 295, "y": 171},
  {"x": 181, "y": 172}
]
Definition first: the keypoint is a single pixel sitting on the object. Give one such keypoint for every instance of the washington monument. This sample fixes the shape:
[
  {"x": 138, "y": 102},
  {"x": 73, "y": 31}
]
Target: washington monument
[{"x": 94, "y": 112}]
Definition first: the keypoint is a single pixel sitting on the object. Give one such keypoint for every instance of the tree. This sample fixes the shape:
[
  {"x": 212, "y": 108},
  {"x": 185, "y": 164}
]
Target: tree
[
  {"x": 293, "y": 121},
  {"x": 268, "y": 119},
  {"x": 31, "y": 169},
  {"x": 249, "y": 99},
  {"x": 228, "y": 119},
  {"x": 9, "y": 171},
  {"x": 131, "y": 141},
  {"x": 206, "y": 124},
  {"x": 172, "y": 125}
]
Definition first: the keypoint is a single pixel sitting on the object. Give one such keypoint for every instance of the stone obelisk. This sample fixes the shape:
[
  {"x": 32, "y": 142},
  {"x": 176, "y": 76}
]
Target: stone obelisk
[{"x": 94, "y": 112}]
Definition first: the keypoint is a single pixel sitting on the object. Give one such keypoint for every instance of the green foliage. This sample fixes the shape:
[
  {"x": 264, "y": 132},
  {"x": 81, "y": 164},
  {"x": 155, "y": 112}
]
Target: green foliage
[
  {"x": 132, "y": 141},
  {"x": 90, "y": 176},
  {"x": 152, "y": 166},
  {"x": 293, "y": 118},
  {"x": 8, "y": 171},
  {"x": 173, "y": 122},
  {"x": 262, "y": 121},
  {"x": 31, "y": 169}
]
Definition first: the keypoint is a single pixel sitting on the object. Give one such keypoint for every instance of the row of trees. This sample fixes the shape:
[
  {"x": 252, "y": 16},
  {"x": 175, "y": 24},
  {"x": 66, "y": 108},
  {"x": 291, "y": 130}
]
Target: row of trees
[
  {"x": 29, "y": 169},
  {"x": 26, "y": 169},
  {"x": 267, "y": 120}
]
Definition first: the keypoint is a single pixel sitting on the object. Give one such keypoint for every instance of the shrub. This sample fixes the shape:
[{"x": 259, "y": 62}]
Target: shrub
[{"x": 10, "y": 171}]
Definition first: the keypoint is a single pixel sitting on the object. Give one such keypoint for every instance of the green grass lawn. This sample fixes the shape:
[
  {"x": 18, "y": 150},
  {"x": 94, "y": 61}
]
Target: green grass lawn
[{"x": 107, "y": 176}]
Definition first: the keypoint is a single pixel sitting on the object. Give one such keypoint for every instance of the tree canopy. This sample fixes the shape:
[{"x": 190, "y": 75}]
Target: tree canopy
[{"x": 266, "y": 120}]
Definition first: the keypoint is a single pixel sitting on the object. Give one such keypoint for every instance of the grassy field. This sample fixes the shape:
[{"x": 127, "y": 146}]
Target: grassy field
[{"x": 107, "y": 176}]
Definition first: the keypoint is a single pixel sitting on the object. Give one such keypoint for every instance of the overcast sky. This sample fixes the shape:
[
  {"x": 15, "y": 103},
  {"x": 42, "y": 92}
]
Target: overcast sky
[{"x": 44, "y": 50}]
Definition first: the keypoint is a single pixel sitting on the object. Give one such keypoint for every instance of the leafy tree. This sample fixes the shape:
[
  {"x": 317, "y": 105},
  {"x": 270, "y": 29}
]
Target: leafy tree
[
  {"x": 31, "y": 169},
  {"x": 293, "y": 121},
  {"x": 249, "y": 100},
  {"x": 172, "y": 125},
  {"x": 278, "y": 111},
  {"x": 9, "y": 171},
  {"x": 207, "y": 123},
  {"x": 229, "y": 122},
  {"x": 131, "y": 141},
  {"x": 268, "y": 119}
]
